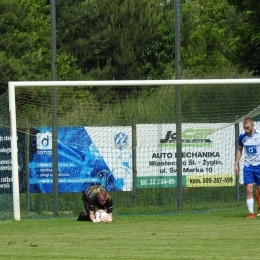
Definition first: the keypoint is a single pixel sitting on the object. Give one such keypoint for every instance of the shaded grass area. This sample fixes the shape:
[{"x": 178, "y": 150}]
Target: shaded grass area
[{"x": 222, "y": 235}]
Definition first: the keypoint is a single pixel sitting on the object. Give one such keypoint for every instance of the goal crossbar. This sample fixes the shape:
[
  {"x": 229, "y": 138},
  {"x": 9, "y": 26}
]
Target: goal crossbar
[{"x": 133, "y": 82}]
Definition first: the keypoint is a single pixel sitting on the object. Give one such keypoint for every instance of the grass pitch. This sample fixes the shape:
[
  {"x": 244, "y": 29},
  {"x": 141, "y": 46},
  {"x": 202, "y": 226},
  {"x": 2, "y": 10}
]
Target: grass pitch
[{"x": 221, "y": 235}]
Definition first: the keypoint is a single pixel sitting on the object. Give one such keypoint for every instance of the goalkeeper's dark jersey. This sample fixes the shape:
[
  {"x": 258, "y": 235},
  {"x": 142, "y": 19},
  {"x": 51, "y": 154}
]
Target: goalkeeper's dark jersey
[{"x": 90, "y": 199}]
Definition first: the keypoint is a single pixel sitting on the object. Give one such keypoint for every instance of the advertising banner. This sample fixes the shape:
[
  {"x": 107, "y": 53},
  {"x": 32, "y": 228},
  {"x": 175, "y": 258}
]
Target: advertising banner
[
  {"x": 86, "y": 156},
  {"x": 5, "y": 162},
  {"x": 207, "y": 155},
  {"x": 6, "y": 181}
]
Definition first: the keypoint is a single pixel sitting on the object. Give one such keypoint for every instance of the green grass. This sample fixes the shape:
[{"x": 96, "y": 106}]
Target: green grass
[{"x": 222, "y": 235}]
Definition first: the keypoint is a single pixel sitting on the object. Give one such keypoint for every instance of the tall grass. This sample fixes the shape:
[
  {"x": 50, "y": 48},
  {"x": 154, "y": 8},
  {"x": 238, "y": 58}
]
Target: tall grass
[
  {"x": 148, "y": 104},
  {"x": 156, "y": 104}
]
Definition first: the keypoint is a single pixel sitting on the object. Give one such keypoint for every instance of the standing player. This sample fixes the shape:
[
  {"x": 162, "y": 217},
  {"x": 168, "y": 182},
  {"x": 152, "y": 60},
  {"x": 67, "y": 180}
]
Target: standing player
[
  {"x": 96, "y": 197},
  {"x": 250, "y": 141}
]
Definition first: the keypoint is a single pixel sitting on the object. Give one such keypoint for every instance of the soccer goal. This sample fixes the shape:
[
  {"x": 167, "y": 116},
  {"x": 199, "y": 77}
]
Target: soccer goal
[{"x": 123, "y": 135}]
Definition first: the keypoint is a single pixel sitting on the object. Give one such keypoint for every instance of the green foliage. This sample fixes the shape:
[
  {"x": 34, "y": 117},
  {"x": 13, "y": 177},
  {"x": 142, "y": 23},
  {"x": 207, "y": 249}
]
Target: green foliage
[
  {"x": 207, "y": 35},
  {"x": 125, "y": 40},
  {"x": 80, "y": 105},
  {"x": 218, "y": 103},
  {"x": 108, "y": 38},
  {"x": 207, "y": 40},
  {"x": 203, "y": 103},
  {"x": 248, "y": 43},
  {"x": 109, "y": 34},
  {"x": 25, "y": 44},
  {"x": 157, "y": 59}
]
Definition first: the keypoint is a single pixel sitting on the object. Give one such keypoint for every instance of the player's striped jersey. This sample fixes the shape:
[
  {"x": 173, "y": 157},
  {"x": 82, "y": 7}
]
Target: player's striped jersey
[
  {"x": 251, "y": 146},
  {"x": 90, "y": 199}
]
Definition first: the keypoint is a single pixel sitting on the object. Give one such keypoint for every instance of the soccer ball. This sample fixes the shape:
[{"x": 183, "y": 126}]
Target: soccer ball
[{"x": 102, "y": 216}]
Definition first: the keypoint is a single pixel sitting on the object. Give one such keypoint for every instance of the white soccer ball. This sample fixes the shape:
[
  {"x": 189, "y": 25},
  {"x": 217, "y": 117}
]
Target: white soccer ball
[{"x": 102, "y": 216}]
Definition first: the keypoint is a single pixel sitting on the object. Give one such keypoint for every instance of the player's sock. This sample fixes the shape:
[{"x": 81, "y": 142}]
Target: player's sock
[
  {"x": 257, "y": 195},
  {"x": 250, "y": 205}
]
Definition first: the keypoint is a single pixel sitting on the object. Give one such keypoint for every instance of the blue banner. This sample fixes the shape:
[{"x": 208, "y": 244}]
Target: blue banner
[{"x": 80, "y": 163}]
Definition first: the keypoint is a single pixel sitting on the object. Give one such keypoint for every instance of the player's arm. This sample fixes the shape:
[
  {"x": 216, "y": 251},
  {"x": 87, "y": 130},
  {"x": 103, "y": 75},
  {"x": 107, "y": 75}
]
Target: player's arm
[
  {"x": 238, "y": 156},
  {"x": 109, "y": 209},
  {"x": 111, "y": 216},
  {"x": 91, "y": 215}
]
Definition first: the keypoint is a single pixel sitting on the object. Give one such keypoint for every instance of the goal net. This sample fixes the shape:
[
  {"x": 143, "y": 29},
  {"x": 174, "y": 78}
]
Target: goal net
[{"x": 122, "y": 135}]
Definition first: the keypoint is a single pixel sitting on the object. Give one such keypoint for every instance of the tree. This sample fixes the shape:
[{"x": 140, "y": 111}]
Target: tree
[
  {"x": 207, "y": 35},
  {"x": 157, "y": 59},
  {"x": 107, "y": 37},
  {"x": 248, "y": 35},
  {"x": 25, "y": 44},
  {"x": 21, "y": 42},
  {"x": 207, "y": 40}
]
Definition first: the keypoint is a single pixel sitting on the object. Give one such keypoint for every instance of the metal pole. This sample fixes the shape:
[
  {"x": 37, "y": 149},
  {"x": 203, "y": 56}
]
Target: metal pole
[
  {"x": 236, "y": 146},
  {"x": 134, "y": 145},
  {"x": 178, "y": 102},
  {"x": 27, "y": 160},
  {"x": 54, "y": 110}
]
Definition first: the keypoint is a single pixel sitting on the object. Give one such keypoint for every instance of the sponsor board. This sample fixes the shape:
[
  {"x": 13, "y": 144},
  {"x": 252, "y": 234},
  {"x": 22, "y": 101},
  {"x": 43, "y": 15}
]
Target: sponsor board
[
  {"x": 205, "y": 152},
  {"x": 86, "y": 156}
]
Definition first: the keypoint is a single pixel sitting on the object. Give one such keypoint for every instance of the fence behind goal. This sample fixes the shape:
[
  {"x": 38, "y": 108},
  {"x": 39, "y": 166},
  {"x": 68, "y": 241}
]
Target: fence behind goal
[{"x": 127, "y": 144}]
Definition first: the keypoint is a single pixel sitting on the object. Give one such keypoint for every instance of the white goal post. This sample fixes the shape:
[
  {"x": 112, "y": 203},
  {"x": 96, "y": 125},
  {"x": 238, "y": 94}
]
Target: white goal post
[{"x": 12, "y": 110}]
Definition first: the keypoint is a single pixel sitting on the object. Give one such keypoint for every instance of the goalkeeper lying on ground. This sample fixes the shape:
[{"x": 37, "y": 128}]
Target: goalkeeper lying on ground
[{"x": 96, "y": 197}]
